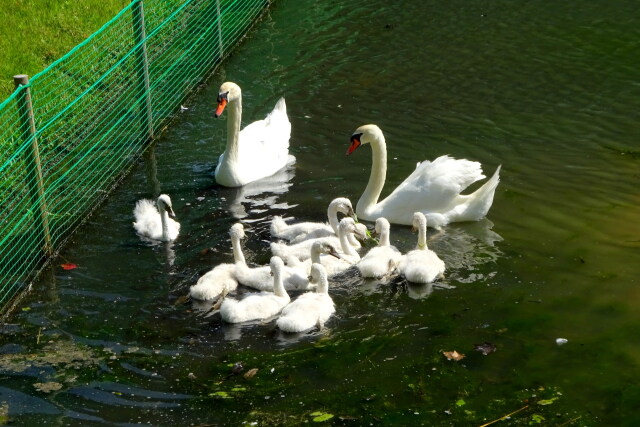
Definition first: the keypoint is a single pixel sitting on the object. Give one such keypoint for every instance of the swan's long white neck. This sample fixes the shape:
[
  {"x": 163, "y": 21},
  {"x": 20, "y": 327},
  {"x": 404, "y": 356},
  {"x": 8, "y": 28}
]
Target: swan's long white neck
[
  {"x": 345, "y": 245},
  {"x": 323, "y": 284},
  {"x": 378, "y": 174},
  {"x": 315, "y": 255},
  {"x": 164, "y": 220},
  {"x": 233, "y": 127},
  {"x": 238, "y": 256},
  {"x": 422, "y": 234},
  {"x": 384, "y": 236},
  {"x": 332, "y": 215},
  {"x": 278, "y": 284}
]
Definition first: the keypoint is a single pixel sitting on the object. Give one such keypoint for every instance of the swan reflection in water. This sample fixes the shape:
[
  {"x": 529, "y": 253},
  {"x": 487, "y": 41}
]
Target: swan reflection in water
[{"x": 259, "y": 196}]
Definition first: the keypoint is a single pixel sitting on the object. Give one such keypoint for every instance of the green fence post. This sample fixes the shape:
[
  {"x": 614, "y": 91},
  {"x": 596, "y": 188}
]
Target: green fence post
[
  {"x": 220, "y": 44},
  {"x": 36, "y": 187},
  {"x": 143, "y": 64}
]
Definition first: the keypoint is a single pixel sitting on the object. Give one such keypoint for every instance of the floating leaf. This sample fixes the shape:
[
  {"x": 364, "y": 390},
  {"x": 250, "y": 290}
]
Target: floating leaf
[
  {"x": 319, "y": 417},
  {"x": 460, "y": 402},
  {"x": 453, "y": 355},
  {"x": 221, "y": 394},
  {"x": 68, "y": 266},
  {"x": 536, "y": 419},
  {"x": 485, "y": 348},
  {"x": 547, "y": 401}
]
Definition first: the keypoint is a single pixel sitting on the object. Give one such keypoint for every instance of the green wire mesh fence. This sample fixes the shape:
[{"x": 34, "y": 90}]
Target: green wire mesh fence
[{"x": 71, "y": 133}]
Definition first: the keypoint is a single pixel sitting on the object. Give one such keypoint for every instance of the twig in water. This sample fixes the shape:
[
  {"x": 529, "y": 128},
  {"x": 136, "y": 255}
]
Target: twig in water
[{"x": 505, "y": 416}]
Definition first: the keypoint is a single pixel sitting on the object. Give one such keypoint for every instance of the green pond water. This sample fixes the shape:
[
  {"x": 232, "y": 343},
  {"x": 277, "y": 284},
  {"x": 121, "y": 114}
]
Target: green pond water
[{"x": 547, "y": 89}]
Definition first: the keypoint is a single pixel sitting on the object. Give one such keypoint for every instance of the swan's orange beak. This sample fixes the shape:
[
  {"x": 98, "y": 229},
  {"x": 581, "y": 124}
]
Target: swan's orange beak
[
  {"x": 355, "y": 143},
  {"x": 221, "y": 104}
]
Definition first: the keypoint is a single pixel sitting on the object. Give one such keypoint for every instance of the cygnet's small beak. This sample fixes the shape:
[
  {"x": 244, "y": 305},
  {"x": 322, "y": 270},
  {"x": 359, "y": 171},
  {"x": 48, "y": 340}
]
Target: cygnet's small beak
[
  {"x": 222, "y": 102},
  {"x": 355, "y": 143},
  {"x": 170, "y": 212},
  {"x": 414, "y": 229},
  {"x": 333, "y": 253}
]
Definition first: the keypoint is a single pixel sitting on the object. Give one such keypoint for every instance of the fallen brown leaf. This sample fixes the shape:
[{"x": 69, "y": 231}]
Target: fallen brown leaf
[
  {"x": 485, "y": 348},
  {"x": 453, "y": 355},
  {"x": 251, "y": 373}
]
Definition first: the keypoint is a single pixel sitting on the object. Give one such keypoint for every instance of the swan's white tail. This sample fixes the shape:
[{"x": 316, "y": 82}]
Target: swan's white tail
[
  {"x": 280, "y": 106},
  {"x": 278, "y": 225},
  {"x": 480, "y": 201}
]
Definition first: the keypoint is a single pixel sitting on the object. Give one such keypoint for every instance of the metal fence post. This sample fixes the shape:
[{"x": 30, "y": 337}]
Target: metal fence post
[
  {"x": 143, "y": 65},
  {"x": 36, "y": 187},
  {"x": 220, "y": 44}
]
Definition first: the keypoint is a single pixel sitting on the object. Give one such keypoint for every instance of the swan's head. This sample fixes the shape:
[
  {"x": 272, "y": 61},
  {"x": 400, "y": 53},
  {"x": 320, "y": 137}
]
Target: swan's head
[
  {"x": 365, "y": 135},
  {"x": 343, "y": 205},
  {"x": 164, "y": 204},
  {"x": 382, "y": 224},
  {"x": 348, "y": 225},
  {"x": 237, "y": 230},
  {"x": 321, "y": 247},
  {"x": 276, "y": 265},
  {"x": 418, "y": 220},
  {"x": 228, "y": 92}
]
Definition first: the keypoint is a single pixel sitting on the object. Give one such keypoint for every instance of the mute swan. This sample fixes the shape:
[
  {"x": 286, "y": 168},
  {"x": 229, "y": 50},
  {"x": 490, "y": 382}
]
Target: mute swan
[
  {"x": 421, "y": 265},
  {"x": 259, "y": 150},
  {"x": 214, "y": 283},
  {"x": 382, "y": 259},
  {"x": 155, "y": 220},
  {"x": 433, "y": 188},
  {"x": 260, "y": 277},
  {"x": 301, "y": 231},
  {"x": 261, "y": 305},
  {"x": 302, "y": 250},
  {"x": 324, "y": 253},
  {"x": 311, "y": 308}
]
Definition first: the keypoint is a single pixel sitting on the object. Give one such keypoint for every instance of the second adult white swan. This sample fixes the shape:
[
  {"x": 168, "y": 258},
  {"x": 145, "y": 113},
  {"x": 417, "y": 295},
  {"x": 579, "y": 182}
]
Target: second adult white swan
[
  {"x": 259, "y": 150},
  {"x": 433, "y": 188}
]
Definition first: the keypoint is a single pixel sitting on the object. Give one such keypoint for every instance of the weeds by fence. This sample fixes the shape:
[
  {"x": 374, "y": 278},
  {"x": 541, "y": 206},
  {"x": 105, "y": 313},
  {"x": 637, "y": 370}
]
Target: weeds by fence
[{"x": 71, "y": 133}]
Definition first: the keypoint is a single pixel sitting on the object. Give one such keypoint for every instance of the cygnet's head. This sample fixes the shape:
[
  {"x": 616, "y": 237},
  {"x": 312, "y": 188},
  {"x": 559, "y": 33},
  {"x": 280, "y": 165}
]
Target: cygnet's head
[
  {"x": 322, "y": 247},
  {"x": 228, "y": 92},
  {"x": 237, "y": 230},
  {"x": 164, "y": 204},
  {"x": 343, "y": 205},
  {"x": 418, "y": 220},
  {"x": 365, "y": 135},
  {"x": 381, "y": 225},
  {"x": 276, "y": 264},
  {"x": 348, "y": 225}
]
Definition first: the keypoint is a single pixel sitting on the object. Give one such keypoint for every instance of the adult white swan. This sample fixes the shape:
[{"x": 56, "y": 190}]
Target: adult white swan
[
  {"x": 433, "y": 188},
  {"x": 301, "y": 231},
  {"x": 259, "y": 150},
  {"x": 155, "y": 220}
]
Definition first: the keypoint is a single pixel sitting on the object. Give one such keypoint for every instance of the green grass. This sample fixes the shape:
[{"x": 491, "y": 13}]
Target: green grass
[{"x": 34, "y": 33}]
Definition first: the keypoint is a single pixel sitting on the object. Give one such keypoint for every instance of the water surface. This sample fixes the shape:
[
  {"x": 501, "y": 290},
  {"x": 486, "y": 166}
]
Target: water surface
[{"x": 549, "y": 90}]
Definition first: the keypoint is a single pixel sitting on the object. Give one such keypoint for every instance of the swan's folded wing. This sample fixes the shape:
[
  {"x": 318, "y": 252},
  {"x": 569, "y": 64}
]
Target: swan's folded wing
[{"x": 442, "y": 180}]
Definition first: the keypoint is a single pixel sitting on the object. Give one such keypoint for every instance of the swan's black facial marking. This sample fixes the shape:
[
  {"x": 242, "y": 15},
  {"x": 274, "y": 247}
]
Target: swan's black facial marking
[
  {"x": 355, "y": 143},
  {"x": 224, "y": 96}
]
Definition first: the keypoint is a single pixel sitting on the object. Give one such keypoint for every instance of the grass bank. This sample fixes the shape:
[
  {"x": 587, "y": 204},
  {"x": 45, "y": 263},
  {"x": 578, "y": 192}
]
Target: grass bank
[{"x": 34, "y": 33}]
